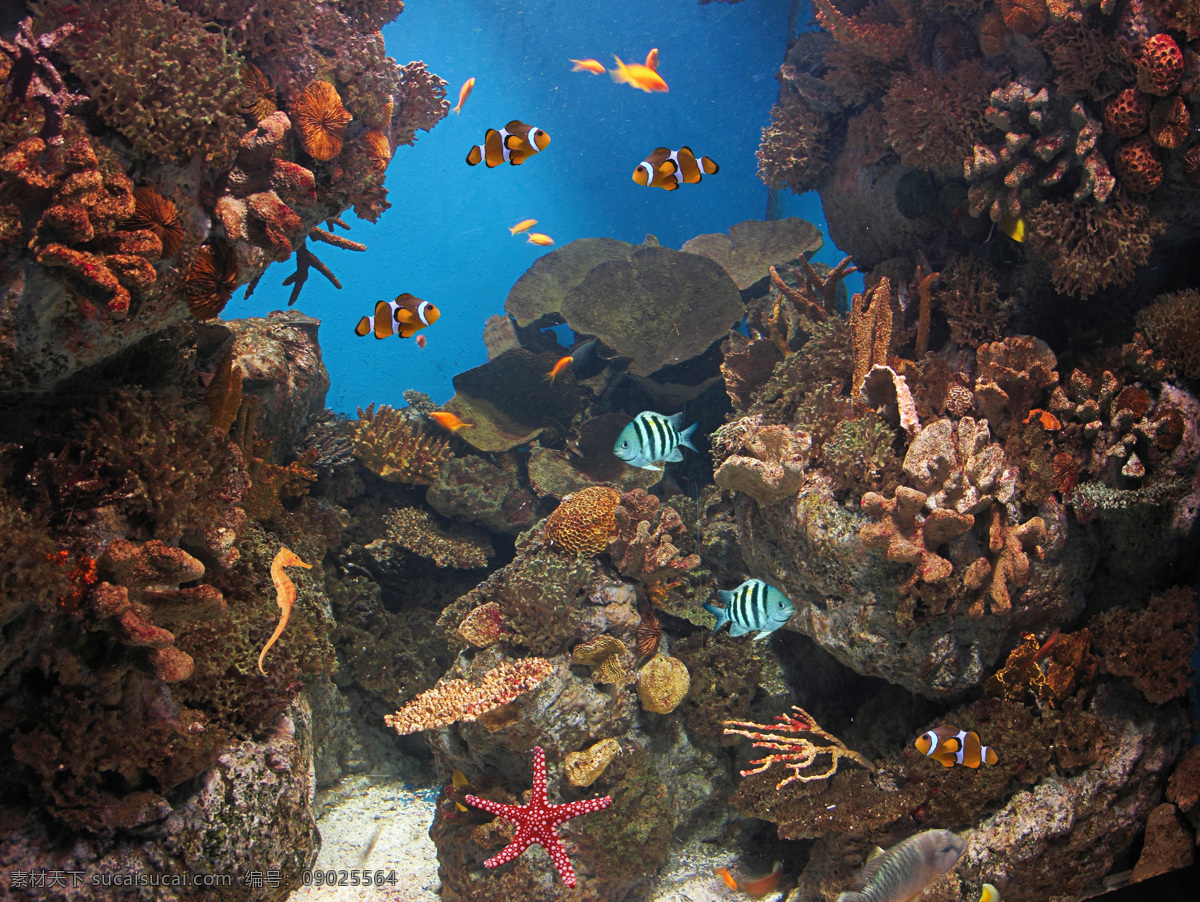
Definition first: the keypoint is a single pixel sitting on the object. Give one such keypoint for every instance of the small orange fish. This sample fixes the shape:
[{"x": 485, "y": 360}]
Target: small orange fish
[
  {"x": 652, "y": 59},
  {"x": 754, "y": 887},
  {"x": 638, "y": 76},
  {"x": 562, "y": 364},
  {"x": 539, "y": 239},
  {"x": 447, "y": 420},
  {"x": 523, "y": 226},
  {"x": 1048, "y": 420},
  {"x": 285, "y": 595},
  {"x": 463, "y": 93},
  {"x": 420, "y": 339},
  {"x": 593, "y": 66}
]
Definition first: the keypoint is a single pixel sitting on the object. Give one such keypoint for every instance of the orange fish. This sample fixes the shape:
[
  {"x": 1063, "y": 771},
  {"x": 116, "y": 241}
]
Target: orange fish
[
  {"x": 285, "y": 595},
  {"x": 1048, "y": 420},
  {"x": 513, "y": 144},
  {"x": 404, "y": 316},
  {"x": 652, "y": 59},
  {"x": 668, "y": 169},
  {"x": 447, "y": 420},
  {"x": 593, "y": 66},
  {"x": 523, "y": 226},
  {"x": 754, "y": 887},
  {"x": 644, "y": 78},
  {"x": 539, "y": 239},
  {"x": 420, "y": 340},
  {"x": 562, "y": 364},
  {"x": 463, "y": 93},
  {"x": 949, "y": 745}
]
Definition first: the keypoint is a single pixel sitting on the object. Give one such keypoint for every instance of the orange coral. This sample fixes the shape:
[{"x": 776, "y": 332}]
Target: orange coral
[
  {"x": 993, "y": 34},
  {"x": 1126, "y": 114},
  {"x": 211, "y": 280},
  {"x": 1023, "y": 16},
  {"x": 154, "y": 213},
  {"x": 583, "y": 522},
  {"x": 1160, "y": 68},
  {"x": 1137, "y": 167},
  {"x": 1012, "y": 547},
  {"x": 320, "y": 120},
  {"x": 258, "y": 99},
  {"x": 379, "y": 149},
  {"x": 1169, "y": 122}
]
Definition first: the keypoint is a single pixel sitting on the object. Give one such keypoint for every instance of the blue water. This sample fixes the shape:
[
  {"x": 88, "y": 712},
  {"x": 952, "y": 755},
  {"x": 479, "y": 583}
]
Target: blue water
[{"x": 446, "y": 236}]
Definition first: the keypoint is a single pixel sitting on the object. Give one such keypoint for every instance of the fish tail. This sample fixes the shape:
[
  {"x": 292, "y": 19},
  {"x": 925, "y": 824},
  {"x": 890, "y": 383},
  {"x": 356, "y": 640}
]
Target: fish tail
[
  {"x": 721, "y": 614},
  {"x": 685, "y": 437}
]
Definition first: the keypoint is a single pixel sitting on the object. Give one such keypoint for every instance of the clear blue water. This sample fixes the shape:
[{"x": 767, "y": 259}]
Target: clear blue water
[{"x": 446, "y": 236}]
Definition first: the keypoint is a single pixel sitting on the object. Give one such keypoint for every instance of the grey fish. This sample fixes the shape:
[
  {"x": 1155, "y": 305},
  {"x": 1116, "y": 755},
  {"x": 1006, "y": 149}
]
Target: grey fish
[
  {"x": 905, "y": 871},
  {"x": 653, "y": 437},
  {"x": 752, "y": 606}
]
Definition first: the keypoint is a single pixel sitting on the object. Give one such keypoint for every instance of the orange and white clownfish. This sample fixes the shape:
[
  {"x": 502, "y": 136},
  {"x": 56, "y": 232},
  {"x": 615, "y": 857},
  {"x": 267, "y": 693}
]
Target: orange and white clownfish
[
  {"x": 513, "y": 144},
  {"x": 404, "y": 317},
  {"x": 668, "y": 169},
  {"x": 949, "y": 746}
]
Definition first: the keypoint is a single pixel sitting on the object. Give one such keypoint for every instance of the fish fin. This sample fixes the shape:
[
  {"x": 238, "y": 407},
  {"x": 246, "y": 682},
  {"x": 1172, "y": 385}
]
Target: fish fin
[
  {"x": 738, "y": 630},
  {"x": 517, "y": 157},
  {"x": 674, "y": 457},
  {"x": 726, "y": 595},
  {"x": 850, "y": 896},
  {"x": 475, "y": 155},
  {"x": 721, "y": 614},
  {"x": 685, "y": 437},
  {"x": 676, "y": 420},
  {"x": 989, "y": 755},
  {"x": 670, "y": 185},
  {"x": 762, "y": 635},
  {"x": 363, "y": 327},
  {"x": 709, "y": 165},
  {"x": 650, "y": 467}
]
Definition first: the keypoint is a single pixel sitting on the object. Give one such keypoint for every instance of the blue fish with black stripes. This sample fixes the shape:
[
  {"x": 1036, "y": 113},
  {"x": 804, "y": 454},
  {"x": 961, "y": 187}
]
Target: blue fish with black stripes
[
  {"x": 651, "y": 438},
  {"x": 752, "y": 606}
]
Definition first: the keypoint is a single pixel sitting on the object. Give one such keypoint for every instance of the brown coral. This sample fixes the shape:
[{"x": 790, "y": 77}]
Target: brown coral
[
  {"x": 1013, "y": 376},
  {"x": 1172, "y": 326},
  {"x": 320, "y": 120},
  {"x": 154, "y": 213},
  {"x": 769, "y": 463},
  {"x": 1023, "y": 16},
  {"x": 583, "y": 522},
  {"x": 604, "y": 655},
  {"x": 1137, "y": 166},
  {"x": 211, "y": 279},
  {"x": 993, "y": 34},
  {"x": 645, "y": 544},
  {"x": 934, "y": 120},
  {"x": 392, "y": 445},
  {"x": 424, "y": 534},
  {"x": 871, "y": 330},
  {"x": 1151, "y": 645},
  {"x": 258, "y": 97},
  {"x": 1160, "y": 67},
  {"x": 793, "y": 153},
  {"x": 1127, "y": 114},
  {"x": 1011, "y": 548},
  {"x": 1170, "y": 122}
]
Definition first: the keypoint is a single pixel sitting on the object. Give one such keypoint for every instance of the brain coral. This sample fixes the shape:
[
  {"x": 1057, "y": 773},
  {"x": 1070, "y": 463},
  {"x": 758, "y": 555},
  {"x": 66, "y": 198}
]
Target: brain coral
[
  {"x": 157, "y": 74},
  {"x": 583, "y": 523}
]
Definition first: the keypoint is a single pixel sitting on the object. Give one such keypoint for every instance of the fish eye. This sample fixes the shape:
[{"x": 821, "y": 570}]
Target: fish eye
[{"x": 624, "y": 444}]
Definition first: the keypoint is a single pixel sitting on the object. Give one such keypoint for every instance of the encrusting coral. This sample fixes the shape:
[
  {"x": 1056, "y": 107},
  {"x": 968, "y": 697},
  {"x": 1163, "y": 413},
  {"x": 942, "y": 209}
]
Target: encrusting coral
[
  {"x": 422, "y": 533},
  {"x": 1152, "y": 646}
]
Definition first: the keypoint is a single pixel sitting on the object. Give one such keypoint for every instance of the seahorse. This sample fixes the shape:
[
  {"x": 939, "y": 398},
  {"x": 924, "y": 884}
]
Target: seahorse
[{"x": 285, "y": 594}]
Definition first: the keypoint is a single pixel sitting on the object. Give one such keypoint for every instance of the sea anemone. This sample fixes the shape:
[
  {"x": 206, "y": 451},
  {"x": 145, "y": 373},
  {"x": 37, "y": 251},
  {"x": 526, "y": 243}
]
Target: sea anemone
[
  {"x": 1023, "y": 16},
  {"x": 154, "y": 213},
  {"x": 211, "y": 280},
  {"x": 1169, "y": 122},
  {"x": 320, "y": 120}
]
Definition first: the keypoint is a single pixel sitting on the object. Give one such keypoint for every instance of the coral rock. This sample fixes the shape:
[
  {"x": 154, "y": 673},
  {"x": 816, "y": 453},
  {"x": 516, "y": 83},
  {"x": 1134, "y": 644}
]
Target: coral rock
[
  {"x": 772, "y": 466},
  {"x": 1160, "y": 68},
  {"x": 584, "y": 768},
  {"x": 1127, "y": 114},
  {"x": 1137, "y": 166},
  {"x": 1153, "y": 645},
  {"x": 583, "y": 523},
  {"x": 1168, "y": 844},
  {"x": 1011, "y": 547},
  {"x": 644, "y": 547},
  {"x": 662, "y": 684}
]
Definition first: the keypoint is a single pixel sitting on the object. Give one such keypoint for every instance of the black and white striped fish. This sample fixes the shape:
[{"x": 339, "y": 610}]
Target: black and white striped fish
[
  {"x": 752, "y": 606},
  {"x": 652, "y": 437}
]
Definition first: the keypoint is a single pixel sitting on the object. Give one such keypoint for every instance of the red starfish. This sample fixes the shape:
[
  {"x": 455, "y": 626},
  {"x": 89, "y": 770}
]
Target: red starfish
[{"x": 538, "y": 821}]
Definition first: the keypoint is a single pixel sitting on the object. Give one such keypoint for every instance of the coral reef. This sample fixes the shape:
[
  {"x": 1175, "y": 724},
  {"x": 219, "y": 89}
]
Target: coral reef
[{"x": 395, "y": 446}]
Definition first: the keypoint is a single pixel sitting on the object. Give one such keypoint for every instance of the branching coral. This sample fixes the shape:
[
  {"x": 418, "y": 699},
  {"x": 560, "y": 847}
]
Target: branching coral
[
  {"x": 33, "y": 77},
  {"x": 447, "y": 545},
  {"x": 1013, "y": 376},
  {"x": 970, "y": 299},
  {"x": 796, "y": 752},
  {"x": 647, "y": 532},
  {"x": 391, "y": 444},
  {"x": 934, "y": 120},
  {"x": 1090, "y": 248},
  {"x": 794, "y": 152},
  {"x": 162, "y": 79},
  {"x": 906, "y": 534},
  {"x": 1010, "y": 547}
]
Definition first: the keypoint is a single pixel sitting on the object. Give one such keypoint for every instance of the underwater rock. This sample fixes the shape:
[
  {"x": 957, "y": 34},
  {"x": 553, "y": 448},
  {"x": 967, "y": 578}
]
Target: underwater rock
[
  {"x": 249, "y": 812},
  {"x": 543, "y": 287},
  {"x": 281, "y": 365},
  {"x": 470, "y": 488},
  {"x": 1169, "y": 844},
  {"x": 772, "y": 467},
  {"x": 753, "y": 245}
]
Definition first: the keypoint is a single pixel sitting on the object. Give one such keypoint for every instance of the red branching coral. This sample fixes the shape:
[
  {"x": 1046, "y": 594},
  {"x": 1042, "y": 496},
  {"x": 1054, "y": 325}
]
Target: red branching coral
[
  {"x": 933, "y": 120},
  {"x": 1160, "y": 68},
  {"x": 1137, "y": 166},
  {"x": 1127, "y": 114},
  {"x": 794, "y": 152},
  {"x": 1090, "y": 248}
]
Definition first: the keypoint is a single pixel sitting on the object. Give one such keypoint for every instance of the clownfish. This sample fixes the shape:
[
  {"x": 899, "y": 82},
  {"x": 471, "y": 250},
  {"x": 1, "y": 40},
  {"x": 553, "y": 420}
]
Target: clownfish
[
  {"x": 523, "y": 226},
  {"x": 668, "y": 169},
  {"x": 463, "y": 93},
  {"x": 754, "y": 887},
  {"x": 447, "y": 420},
  {"x": 949, "y": 745},
  {"x": 404, "y": 316},
  {"x": 643, "y": 77},
  {"x": 513, "y": 144},
  {"x": 539, "y": 239},
  {"x": 594, "y": 66}
]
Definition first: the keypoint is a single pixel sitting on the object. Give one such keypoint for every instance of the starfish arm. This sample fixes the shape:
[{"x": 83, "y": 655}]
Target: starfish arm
[
  {"x": 522, "y": 841},
  {"x": 560, "y": 813},
  {"x": 508, "y": 812},
  {"x": 553, "y": 846}
]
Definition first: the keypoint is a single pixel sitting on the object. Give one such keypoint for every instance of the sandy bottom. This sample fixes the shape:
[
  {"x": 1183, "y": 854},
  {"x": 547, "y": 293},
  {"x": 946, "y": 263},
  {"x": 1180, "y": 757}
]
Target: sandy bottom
[{"x": 374, "y": 824}]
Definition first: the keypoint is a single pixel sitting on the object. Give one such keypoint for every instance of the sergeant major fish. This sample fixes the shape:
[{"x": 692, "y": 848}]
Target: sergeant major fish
[
  {"x": 905, "y": 871},
  {"x": 653, "y": 437},
  {"x": 752, "y": 606}
]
